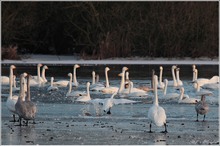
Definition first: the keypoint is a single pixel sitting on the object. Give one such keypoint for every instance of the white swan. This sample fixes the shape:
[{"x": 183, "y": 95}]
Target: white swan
[
  {"x": 4, "y": 79},
  {"x": 200, "y": 92},
  {"x": 135, "y": 92},
  {"x": 193, "y": 68},
  {"x": 161, "y": 85},
  {"x": 25, "y": 109},
  {"x": 71, "y": 93},
  {"x": 51, "y": 87},
  {"x": 96, "y": 86},
  {"x": 75, "y": 83},
  {"x": 11, "y": 100},
  {"x": 168, "y": 96},
  {"x": 173, "y": 82},
  {"x": 156, "y": 113},
  {"x": 36, "y": 80},
  {"x": 86, "y": 97},
  {"x": 61, "y": 83},
  {"x": 185, "y": 98},
  {"x": 108, "y": 89},
  {"x": 127, "y": 79},
  {"x": 122, "y": 84},
  {"x": 202, "y": 107},
  {"x": 108, "y": 103},
  {"x": 179, "y": 82}
]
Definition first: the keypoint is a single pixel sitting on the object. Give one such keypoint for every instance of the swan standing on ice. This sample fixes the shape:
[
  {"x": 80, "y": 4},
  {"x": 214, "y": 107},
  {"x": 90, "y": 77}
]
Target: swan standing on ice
[
  {"x": 51, "y": 87},
  {"x": 11, "y": 101},
  {"x": 71, "y": 93},
  {"x": 25, "y": 109},
  {"x": 173, "y": 82},
  {"x": 4, "y": 79},
  {"x": 161, "y": 85},
  {"x": 86, "y": 97},
  {"x": 156, "y": 113},
  {"x": 108, "y": 89},
  {"x": 202, "y": 107},
  {"x": 75, "y": 83}
]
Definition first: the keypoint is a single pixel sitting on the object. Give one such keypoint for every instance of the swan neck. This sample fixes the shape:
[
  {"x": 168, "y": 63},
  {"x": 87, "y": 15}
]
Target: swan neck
[
  {"x": 93, "y": 79},
  {"x": 70, "y": 84},
  {"x": 21, "y": 93},
  {"x": 38, "y": 74},
  {"x": 181, "y": 95},
  {"x": 155, "y": 94},
  {"x": 14, "y": 82},
  {"x": 130, "y": 87},
  {"x": 174, "y": 77},
  {"x": 87, "y": 88},
  {"x": 165, "y": 89},
  {"x": 74, "y": 77},
  {"x": 106, "y": 78},
  {"x": 161, "y": 73},
  {"x": 10, "y": 84},
  {"x": 122, "y": 82},
  {"x": 28, "y": 89},
  {"x": 51, "y": 82},
  {"x": 177, "y": 76}
]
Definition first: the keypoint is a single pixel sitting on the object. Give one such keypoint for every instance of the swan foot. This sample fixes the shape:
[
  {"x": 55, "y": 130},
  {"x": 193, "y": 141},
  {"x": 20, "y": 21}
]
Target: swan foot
[
  {"x": 109, "y": 112},
  {"x": 150, "y": 131},
  {"x": 164, "y": 131},
  {"x": 197, "y": 120}
]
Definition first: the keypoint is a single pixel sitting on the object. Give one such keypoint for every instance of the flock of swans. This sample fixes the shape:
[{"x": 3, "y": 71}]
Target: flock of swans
[{"x": 22, "y": 105}]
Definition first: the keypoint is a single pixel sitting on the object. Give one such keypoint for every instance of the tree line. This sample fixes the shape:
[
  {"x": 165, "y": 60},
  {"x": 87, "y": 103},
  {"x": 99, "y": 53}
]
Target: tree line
[{"x": 101, "y": 30}]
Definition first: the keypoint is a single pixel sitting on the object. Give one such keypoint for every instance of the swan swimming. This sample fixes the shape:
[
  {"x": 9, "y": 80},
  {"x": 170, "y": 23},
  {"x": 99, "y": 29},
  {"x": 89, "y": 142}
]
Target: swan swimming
[
  {"x": 75, "y": 83},
  {"x": 108, "y": 89},
  {"x": 156, "y": 113},
  {"x": 96, "y": 86},
  {"x": 51, "y": 87},
  {"x": 86, "y": 97},
  {"x": 71, "y": 93},
  {"x": 183, "y": 98},
  {"x": 37, "y": 80}
]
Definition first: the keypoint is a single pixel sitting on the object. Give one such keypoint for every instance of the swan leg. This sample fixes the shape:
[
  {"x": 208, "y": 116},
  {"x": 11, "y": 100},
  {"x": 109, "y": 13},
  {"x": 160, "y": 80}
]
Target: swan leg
[
  {"x": 13, "y": 118},
  {"x": 165, "y": 125},
  {"x": 19, "y": 122},
  {"x": 204, "y": 118},
  {"x": 197, "y": 117},
  {"x": 26, "y": 123},
  {"x": 150, "y": 129},
  {"x": 109, "y": 112}
]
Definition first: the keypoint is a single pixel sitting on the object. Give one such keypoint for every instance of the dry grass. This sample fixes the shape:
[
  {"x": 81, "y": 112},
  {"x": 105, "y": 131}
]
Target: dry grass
[{"x": 10, "y": 52}]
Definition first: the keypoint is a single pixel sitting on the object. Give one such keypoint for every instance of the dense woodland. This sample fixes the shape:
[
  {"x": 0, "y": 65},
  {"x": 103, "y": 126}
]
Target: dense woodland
[{"x": 101, "y": 30}]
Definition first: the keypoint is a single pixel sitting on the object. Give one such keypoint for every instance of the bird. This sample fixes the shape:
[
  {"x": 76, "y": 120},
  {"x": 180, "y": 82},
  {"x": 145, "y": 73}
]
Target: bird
[
  {"x": 51, "y": 87},
  {"x": 179, "y": 82},
  {"x": 86, "y": 97},
  {"x": 156, "y": 113},
  {"x": 184, "y": 98},
  {"x": 161, "y": 84},
  {"x": 37, "y": 80},
  {"x": 173, "y": 82},
  {"x": 75, "y": 83},
  {"x": 96, "y": 86},
  {"x": 25, "y": 108},
  {"x": 201, "y": 108},
  {"x": 5, "y": 79}
]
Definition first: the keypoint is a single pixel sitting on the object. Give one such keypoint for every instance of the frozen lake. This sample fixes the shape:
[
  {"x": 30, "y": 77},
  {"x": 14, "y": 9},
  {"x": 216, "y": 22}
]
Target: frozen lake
[{"x": 61, "y": 121}]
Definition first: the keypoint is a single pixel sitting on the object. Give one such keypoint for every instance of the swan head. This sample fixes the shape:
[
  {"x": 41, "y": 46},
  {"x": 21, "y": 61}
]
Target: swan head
[
  {"x": 45, "y": 67},
  {"x": 107, "y": 69},
  {"x": 193, "y": 67},
  {"x": 25, "y": 74},
  {"x": 161, "y": 68},
  {"x": 39, "y": 65},
  {"x": 174, "y": 67},
  {"x": 70, "y": 74},
  {"x": 120, "y": 75},
  {"x": 76, "y": 66},
  {"x": 12, "y": 67},
  {"x": 88, "y": 84},
  {"x": 124, "y": 68},
  {"x": 93, "y": 73},
  {"x": 52, "y": 78}
]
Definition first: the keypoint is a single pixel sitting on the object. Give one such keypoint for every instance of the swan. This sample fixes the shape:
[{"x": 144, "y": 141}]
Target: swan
[
  {"x": 71, "y": 93},
  {"x": 51, "y": 87},
  {"x": 161, "y": 85},
  {"x": 202, "y": 92},
  {"x": 201, "y": 107},
  {"x": 127, "y": 79},
  {"x": 108, "y": 89},
  {"x": 108, "y": 103},
  {"x": 122, "y": 84},
  {"x": 156, "y": 113},
  {"x": 173, "y": 82},
  {"x": 11, "y": 100},
  {"x": 62, "y": 83},
  {"x": 169, "y": 95},
  {"x": 179, "y": 82},
  {"x": 36, "y": 80},
  {"x": 135, "y": 92},
  {"x": 75, "y": 83},
  {"x": 95, "y": 85},
  {"x": 25, "y": 109},
  {"x": 6, "y": 80},
  {"x": 185, "y": 98},
  {"x": 86, "y": 97}
]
